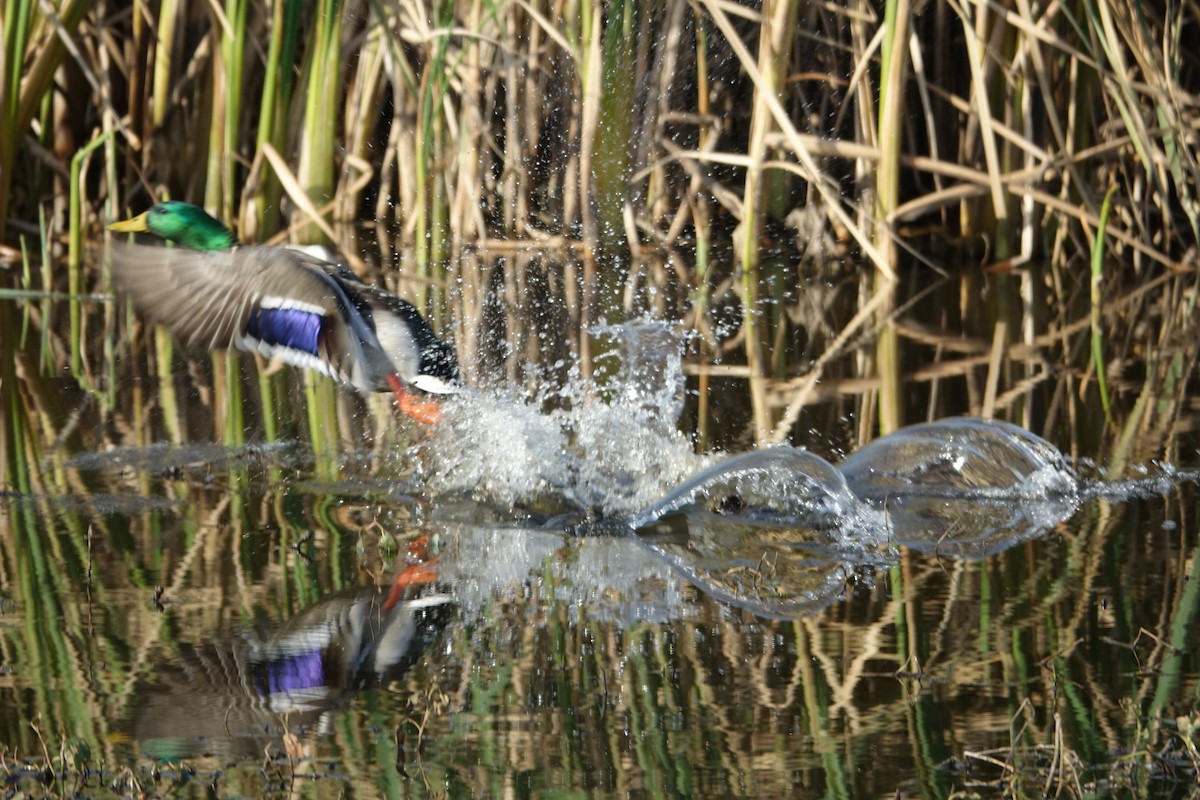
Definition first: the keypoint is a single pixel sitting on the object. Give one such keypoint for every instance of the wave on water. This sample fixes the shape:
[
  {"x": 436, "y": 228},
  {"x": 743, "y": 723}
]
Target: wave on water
[{"x": 960, "y": 457}]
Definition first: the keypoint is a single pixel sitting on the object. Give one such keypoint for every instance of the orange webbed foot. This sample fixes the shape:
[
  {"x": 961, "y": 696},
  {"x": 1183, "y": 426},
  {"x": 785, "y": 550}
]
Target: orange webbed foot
[{"x": 426, "y": 412}]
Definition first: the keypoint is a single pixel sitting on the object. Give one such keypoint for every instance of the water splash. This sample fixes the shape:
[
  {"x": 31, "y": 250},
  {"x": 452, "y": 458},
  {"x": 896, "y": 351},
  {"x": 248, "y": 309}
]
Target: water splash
[
  {"x": 608, "y": 445},
  {"x": 777, "y": 532}
]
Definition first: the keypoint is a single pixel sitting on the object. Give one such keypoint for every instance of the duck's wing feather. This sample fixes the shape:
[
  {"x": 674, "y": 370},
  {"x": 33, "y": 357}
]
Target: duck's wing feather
[{"x": 271, "y": 300}]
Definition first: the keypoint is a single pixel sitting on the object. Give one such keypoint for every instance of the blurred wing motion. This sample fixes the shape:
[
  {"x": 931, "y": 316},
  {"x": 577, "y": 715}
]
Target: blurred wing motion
[{"x": 287, "y": 304}]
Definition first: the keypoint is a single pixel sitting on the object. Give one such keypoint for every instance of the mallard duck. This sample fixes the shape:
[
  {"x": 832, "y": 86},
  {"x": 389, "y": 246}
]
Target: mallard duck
[{"x": 282, "y": 303}]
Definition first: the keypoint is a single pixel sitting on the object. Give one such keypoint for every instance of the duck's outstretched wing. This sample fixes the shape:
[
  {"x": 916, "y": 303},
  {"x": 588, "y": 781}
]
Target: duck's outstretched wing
[{"x": 275, "y": 301}]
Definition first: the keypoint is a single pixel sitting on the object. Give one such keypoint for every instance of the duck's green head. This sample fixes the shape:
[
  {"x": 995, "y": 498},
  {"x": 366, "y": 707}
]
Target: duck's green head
[{"x": 182, "y": 223}]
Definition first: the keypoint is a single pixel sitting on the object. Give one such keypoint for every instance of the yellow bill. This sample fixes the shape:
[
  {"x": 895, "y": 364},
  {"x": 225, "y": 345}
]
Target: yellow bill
[{"x": 133, "y": 225}]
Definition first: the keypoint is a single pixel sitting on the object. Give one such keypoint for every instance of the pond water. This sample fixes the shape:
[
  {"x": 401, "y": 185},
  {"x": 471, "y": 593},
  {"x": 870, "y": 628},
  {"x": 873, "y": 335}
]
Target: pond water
[{"x": 585, "y": 606}]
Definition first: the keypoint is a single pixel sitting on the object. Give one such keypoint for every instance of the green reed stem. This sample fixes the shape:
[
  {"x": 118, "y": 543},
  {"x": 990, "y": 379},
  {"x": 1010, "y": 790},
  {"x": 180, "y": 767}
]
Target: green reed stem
[
  {"x": 233, "y": 432},
  {"x": 16, "y": 32},
  {"x": 164, "y": 354},
  {"x": 610, "y": 161},
  {"x": 75, "y": 250},
  {"x": 24, "y": 89},
  {"x": 319, "y": 137},
  {"x": 278, "y": 83},
  {"x": 266, "y": 394},
  {"x": 164, "y": 51},
  {"x": 14, "y": 469},
  {"x": 430, "y": 133},
  {"x": 322, "y": 424},
  {"x": 26, "y": 282},
  {"x": 226, "y": 110},
  {"x": 1097, "y": 295},
  {"x": 47, "y": 283}
]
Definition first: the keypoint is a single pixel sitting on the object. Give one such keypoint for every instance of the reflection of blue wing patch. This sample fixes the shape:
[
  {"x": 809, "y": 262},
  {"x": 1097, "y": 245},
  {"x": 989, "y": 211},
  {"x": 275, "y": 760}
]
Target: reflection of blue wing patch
[
  {"x": 293, "y": 328},
  {"x": 290, "y": 673}
]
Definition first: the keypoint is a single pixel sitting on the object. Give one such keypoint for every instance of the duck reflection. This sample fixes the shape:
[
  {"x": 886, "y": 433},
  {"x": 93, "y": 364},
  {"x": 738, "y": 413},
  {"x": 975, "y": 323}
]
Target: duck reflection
[{"x": 238, "y": 696}]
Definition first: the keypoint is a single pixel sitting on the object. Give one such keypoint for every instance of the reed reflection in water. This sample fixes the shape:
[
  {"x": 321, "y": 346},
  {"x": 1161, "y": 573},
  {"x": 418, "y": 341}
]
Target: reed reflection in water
[
  {"x": 606, "y": 664},
  {"x": 590, "y": 664}
]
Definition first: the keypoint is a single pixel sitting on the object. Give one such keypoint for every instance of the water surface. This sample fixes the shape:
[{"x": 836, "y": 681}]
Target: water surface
[{"x": 613, "y": 614}]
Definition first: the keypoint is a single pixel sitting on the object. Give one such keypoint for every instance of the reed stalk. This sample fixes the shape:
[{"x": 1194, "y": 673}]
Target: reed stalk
[
  {"x": 322, "y": 424},
  {"x": 438, "y": 239},
  {"x": 233, "y": 429},
  {"x": 47, "y": 359},
  {"x": 610, "y": 160},
  {"x": 26, "y": 36},
  {"x": 1097, "y": 298},
  {"x": 270, "y": 410},
  {"x": 14, "y": 37},
  {"x": 165, "y": 46},
  {"x": 362, "y": 102},
  {"x": 893, "y": 73},
  {"x": 422, "y": 167},
  {"x": 278, "y": 84},
  {"x": 164, "y": 351},
  {"x": 75, "y": 277},
  {"x": 228, "y": 83},
  {"x": 587, "y": 102},
  {"x": 14, "y": 469},
  {"x": 701, "y": 225},
  {"x": 774, "y": 54},
  {"x": 318, "y": 141}
]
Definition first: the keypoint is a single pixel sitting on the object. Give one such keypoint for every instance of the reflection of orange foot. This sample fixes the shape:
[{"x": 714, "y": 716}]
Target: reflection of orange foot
[
  {"x": 415, "y": 575},
  {"x": 426, "y": 412},
  {"x": 418, "y": 550}
]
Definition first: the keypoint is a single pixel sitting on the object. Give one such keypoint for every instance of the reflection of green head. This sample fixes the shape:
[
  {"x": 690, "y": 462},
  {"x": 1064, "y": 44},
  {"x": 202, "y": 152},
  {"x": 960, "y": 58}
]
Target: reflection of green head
[{"x": 182, "y": 223}]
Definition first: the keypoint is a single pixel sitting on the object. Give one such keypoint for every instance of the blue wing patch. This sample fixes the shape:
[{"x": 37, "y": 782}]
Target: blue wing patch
[{"x": 293, "y": 328}]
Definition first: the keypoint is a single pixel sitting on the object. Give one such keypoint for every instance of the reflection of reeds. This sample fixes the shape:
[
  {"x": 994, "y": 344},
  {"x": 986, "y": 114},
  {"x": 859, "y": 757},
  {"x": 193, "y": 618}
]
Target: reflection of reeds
[{"x": 948, "y": 660}]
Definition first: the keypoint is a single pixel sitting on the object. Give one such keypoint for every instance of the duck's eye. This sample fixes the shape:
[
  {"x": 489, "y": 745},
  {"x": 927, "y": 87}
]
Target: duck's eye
[{"x": 158, "y": 210}]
